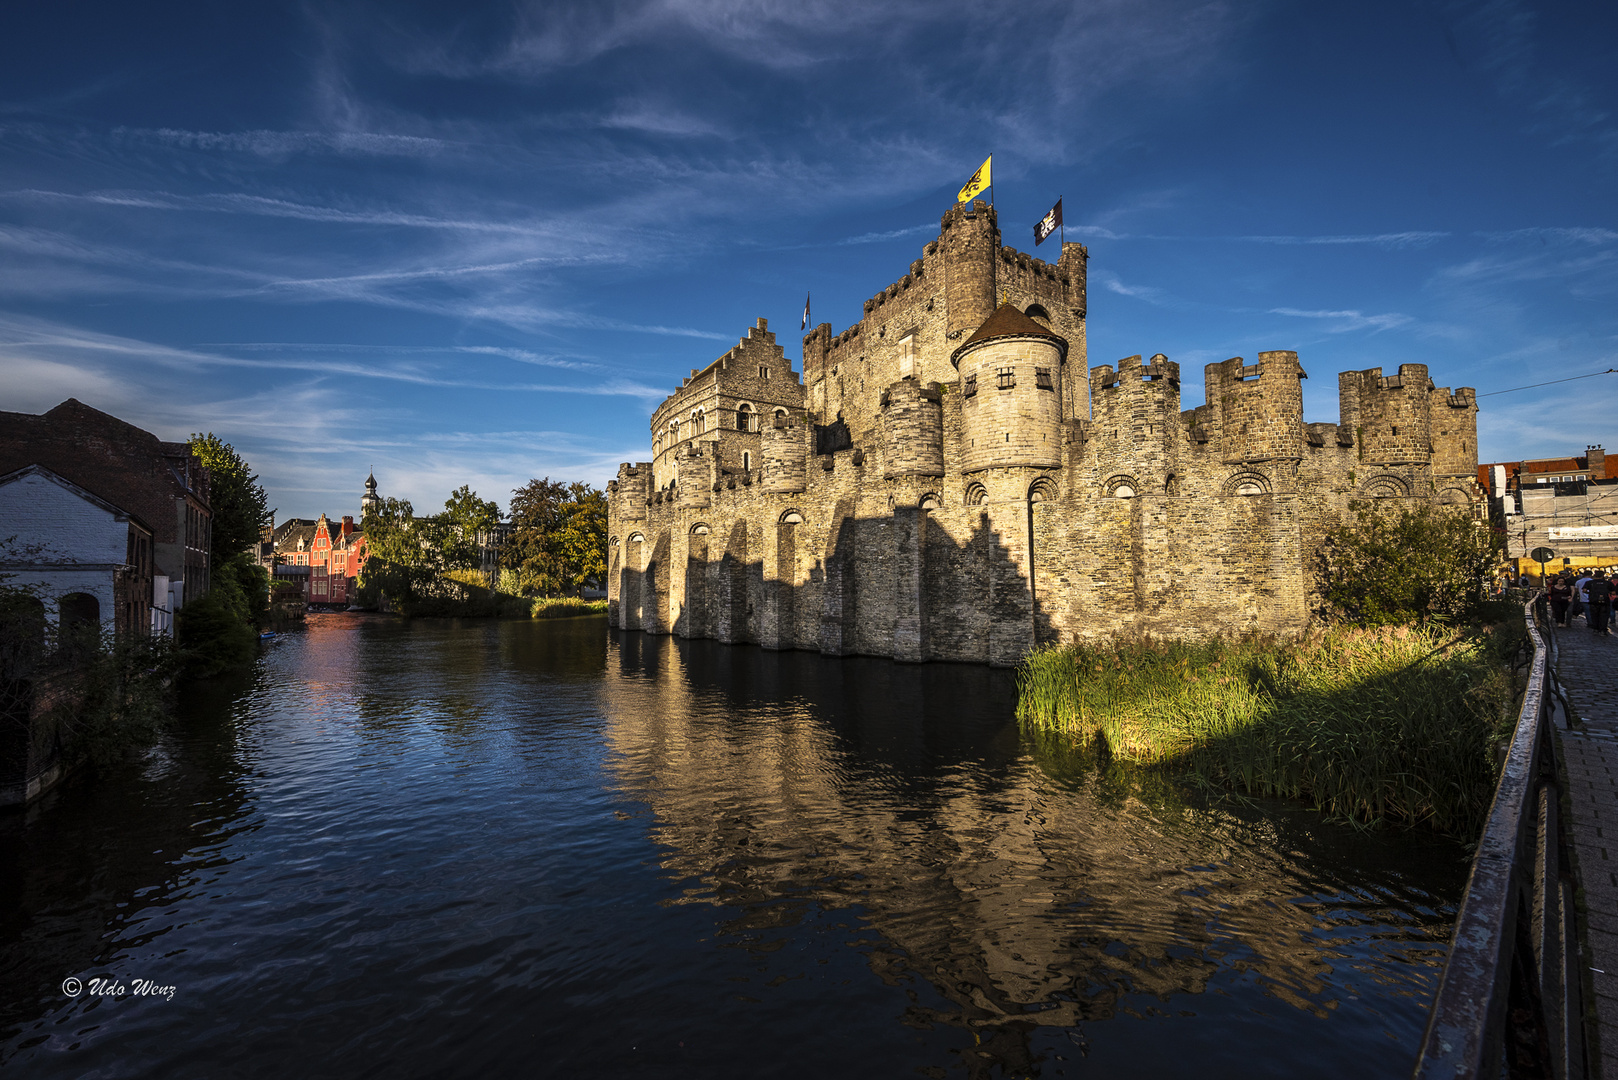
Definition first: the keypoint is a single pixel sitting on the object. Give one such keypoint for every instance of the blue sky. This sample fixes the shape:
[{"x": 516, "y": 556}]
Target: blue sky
[{"x": 477, "y": 243}]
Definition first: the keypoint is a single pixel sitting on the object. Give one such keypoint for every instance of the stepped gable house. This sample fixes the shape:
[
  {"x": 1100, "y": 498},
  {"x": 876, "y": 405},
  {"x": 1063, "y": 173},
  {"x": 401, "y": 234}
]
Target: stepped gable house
[{"x": 950, "y": 481}]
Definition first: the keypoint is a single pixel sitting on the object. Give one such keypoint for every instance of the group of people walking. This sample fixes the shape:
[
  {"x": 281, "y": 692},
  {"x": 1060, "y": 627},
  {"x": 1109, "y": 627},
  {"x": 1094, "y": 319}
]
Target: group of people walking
[{"x": 1592, "y": 596}]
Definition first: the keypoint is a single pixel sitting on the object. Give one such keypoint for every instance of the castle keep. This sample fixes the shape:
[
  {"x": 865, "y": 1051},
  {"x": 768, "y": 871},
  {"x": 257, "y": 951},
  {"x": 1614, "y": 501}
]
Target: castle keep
[{"x": 948, "y": 480}]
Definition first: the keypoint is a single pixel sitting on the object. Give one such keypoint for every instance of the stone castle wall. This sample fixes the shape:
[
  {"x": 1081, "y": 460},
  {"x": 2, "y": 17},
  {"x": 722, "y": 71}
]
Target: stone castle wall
[{"x": 892, "y": 504}]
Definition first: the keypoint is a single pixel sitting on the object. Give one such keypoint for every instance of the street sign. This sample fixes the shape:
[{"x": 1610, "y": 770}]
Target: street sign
[{"x": 1542, "y": 554}]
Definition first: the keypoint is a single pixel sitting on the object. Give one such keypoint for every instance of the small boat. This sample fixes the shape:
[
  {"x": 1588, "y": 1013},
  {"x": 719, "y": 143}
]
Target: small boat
[{"x": 266, "y": 635}]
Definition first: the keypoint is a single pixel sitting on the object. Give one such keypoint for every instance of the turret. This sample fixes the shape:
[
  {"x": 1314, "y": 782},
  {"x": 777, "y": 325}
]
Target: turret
[
  {"x": 1389, "y": 415},
  {"x": 1074, "y": 269},
  {"x": 630, "y": 492},
  {"x": 370, "y": 503},
  {"x": 694, "y": 476},
  {"x": 913, "y": 426},
  {"x": 1137, "y": 418},
  {"x": 785, "y": 448},
  {"x": 1454, "y": 420},
  {"x": 1011, "y": 393},
  {"x": 1259, "y": 407},
  {"x": 816, "y": 344},
  {"x": 969, "y": 238}
]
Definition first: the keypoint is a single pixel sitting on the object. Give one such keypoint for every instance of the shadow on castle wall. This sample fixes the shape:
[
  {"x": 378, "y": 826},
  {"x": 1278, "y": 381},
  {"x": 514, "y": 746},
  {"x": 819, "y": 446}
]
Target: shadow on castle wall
[{"x": 899, "y": 586}]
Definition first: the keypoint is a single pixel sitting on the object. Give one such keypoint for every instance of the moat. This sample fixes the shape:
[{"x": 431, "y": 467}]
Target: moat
[{"x": 548, "y": 848}]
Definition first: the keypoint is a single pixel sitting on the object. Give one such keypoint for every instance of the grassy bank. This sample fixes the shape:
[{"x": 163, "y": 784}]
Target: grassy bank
[
  {"x": 565, "y": 606},
  {"x": 1394, "y": 724}
]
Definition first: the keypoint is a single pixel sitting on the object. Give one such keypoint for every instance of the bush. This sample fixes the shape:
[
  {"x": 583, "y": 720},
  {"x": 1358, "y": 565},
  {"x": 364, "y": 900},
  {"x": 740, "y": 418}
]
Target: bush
[
  {"x": 1391, "y": 567},
  {"x": 216, "y": 631},
  {"x": 119, "y": 699}
]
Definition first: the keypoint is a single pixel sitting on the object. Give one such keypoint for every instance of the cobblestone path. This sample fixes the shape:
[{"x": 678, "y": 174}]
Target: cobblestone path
[{"x": 1587, "y": 665}]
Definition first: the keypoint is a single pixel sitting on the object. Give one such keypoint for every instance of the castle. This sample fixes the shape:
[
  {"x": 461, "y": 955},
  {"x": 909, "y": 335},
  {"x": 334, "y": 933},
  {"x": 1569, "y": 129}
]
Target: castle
[{"x": 949, "y": 481}]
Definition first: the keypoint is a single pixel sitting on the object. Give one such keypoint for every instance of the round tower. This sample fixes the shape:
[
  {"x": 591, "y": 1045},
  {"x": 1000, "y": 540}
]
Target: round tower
[
  {"x": 785, "y": 449},
  {"x": 969, "y": 238},
  {"x": 1011, "y": 393},
  {"x": 369, "y": 502},
  {"x": 1260, "y": 407},
  {"x": 1393, "y": 424},
  {"x": 913, "y": 424}
]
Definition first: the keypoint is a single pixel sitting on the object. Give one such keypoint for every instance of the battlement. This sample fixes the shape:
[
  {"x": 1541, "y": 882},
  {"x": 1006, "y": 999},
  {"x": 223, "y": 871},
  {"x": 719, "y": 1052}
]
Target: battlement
[
  {"x": 979, "y": 213},
  {"x": 1159, "y": 369},
  {"x": 1029, "y": 263}
]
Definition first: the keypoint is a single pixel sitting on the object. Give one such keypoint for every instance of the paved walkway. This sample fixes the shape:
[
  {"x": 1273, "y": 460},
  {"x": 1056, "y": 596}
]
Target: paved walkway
[{"x": 1587, "y": 665}]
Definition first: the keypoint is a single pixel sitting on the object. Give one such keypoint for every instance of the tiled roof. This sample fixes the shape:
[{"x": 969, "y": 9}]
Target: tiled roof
[{"x": 1007, "y": 321}]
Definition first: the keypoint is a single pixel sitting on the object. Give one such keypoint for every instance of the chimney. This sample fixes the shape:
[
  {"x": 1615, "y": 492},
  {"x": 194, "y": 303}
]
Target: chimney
[
  {"x": 348, "y": 525},
  {"x": 1596, "y": 462}
]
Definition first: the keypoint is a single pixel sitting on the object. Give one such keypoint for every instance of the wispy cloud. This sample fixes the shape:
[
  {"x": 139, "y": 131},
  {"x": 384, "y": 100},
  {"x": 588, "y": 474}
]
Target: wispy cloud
[
  {"x": 1392, "y": 241},
  {"x": 40, "y": 341},
  {"x": 279, "y": 144},
  {"x": 1344, "y": 321},
  {"x": 1383, "y": 240}
]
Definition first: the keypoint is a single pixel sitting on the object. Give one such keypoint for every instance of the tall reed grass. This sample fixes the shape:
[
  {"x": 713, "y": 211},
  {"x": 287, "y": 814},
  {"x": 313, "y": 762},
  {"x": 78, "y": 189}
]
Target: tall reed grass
[{"x": 1387, "y": 725}]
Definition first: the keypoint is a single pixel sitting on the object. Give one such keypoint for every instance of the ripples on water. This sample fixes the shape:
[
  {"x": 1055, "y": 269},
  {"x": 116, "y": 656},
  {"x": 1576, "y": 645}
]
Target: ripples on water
[{"x": 544, "y": 848}]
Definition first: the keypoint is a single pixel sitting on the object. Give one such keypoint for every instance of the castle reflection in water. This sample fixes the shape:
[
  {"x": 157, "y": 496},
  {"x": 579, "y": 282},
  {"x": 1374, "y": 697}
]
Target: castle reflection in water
[{"x": 1013, "y": 886}]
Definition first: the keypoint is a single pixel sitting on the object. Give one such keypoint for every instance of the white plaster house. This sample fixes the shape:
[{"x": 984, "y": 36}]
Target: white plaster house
[{"x": 85, "y": 559}]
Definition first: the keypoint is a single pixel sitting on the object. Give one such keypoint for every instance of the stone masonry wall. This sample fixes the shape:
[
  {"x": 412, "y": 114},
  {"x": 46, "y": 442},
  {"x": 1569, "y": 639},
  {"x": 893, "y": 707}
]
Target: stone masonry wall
[{"x": 1120, "y": 513}]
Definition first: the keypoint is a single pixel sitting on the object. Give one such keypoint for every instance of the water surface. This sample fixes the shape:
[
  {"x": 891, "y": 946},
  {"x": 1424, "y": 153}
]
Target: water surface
[{"x": 444, "y": 848}]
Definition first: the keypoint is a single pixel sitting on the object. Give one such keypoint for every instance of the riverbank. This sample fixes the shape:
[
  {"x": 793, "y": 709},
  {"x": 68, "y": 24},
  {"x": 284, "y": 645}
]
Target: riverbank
[
  {"x": 464, "y": 594},
  {"x": 1397, "y": 725}
]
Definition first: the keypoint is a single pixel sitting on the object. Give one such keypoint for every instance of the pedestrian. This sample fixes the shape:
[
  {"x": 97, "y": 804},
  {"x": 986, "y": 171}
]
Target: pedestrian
[
  {"x": 1581, "y": 599},
  {"x": 1561, "y": 597},
  {"x": 1600, "y": 599}
]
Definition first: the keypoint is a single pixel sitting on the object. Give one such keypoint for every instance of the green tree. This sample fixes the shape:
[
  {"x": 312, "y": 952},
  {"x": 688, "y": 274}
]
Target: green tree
[
  {"x": 1390, "y": 566},
  {"x": 239, "y": 504},
  {"x": 536, "y": 515},
  {"x": 559, "y": 536},
  {"x": 581, "y": 543},
  {"x": 464, "y": 519}
]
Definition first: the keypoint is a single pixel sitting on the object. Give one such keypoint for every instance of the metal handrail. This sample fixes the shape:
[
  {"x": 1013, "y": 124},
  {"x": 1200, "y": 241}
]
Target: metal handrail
[{"x": 1510, "y": 1002}]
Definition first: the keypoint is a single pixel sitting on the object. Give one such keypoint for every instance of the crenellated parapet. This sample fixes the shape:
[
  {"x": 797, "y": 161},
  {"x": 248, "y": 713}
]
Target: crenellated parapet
[
  {"x": 1454, "y": 426},
  {"x": 629, "y": 493},
  {"x": 913, "y": 429},
  {"x": 1390, "y": 415},
  {"x": 1258, "y": 408},
  {"x": 786, "y": 454}
]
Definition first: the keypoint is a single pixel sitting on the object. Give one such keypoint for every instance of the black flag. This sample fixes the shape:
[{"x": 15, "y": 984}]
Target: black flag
[
  {"x": 1048, "y": 224},
  {"x": 805, "y": 325}
]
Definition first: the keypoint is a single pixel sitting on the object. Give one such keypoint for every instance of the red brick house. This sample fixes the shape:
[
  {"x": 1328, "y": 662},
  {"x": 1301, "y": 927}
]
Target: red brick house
[{"x": 334, "y": 553}]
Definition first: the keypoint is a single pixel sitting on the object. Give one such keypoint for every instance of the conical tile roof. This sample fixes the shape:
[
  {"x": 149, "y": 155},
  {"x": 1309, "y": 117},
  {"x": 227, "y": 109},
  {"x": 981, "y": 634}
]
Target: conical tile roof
[{"x": 1007, "y": 321}]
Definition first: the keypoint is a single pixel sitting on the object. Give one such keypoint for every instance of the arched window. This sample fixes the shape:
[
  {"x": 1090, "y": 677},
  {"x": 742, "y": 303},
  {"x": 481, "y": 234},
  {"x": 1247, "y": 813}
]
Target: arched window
[
  {"x": 702, "y": 421},
  {"x": 1038, "y": 314},
  {"x": 79, "y": 622},
  {"x": 781, "y": 415},
  {"x": 744, "y": 417},
  {"x": 22, "y": 634}
]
